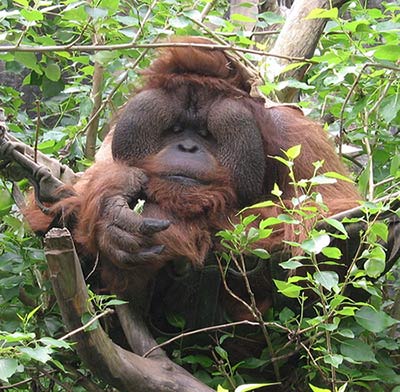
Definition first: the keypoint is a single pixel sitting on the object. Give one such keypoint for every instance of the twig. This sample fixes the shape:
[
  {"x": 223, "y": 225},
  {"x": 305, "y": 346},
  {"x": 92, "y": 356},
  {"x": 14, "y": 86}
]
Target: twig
[
  {"x": 91, "y": 127},
  {"x": 209, "y": 6},
  {"x": 349, "y": 94},
  {"x": 221, "y": 368},
  {"x": 248, "y": 63},
  {"x": 90, "y": 322},
  {"x": 382, "y": 95},
  {"x": 84, "y": 28},
  {"x": 370, "y": 195},
  {"x": 23, "y": 382},
  {"x": 92, "y": 130},
  {"x": 308, "y": 351},
  {"x": 130, "y": 45},
  {"x": 385, "y": 181},
  {"x": 228, "y": 289},
  {"x": 251, "y": 33},
  {"x": 258, "y": 316},
  {"x": 143, "y": 21},
  {"x": 212, "y": 328},
  {"x": 298, "y": 347},
  {"x": 253, "y": 309},
  {"x": 106, "y": 101},
  {"x": 357, "y": 212},
  {"x": 57, "y": 381},
  {"x": 37, "y": 130}
]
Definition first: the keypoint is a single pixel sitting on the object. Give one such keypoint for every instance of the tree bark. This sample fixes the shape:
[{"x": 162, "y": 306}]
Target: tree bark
[
  {"x": 298, "y": 38},
  {"x": 122, "y": 369}
]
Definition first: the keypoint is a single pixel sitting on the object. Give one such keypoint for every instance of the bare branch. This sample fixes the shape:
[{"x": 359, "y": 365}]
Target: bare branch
[
  {"x": 116, "y": 366},
  {"x": 100, "y": 48},
  {"x": 214, "y": 328}
]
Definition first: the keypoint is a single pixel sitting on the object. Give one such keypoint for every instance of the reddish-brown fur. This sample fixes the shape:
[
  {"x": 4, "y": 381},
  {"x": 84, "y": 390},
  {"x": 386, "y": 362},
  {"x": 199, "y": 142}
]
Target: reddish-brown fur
[{"x": 195, "y": 216}]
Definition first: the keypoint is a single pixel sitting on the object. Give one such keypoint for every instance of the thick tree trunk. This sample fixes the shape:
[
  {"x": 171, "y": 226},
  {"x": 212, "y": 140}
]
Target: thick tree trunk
[{"x": 298, "y": 38}]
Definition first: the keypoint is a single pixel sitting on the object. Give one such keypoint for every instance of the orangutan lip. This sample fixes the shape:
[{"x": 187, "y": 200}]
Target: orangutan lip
[{"x": 184, "y": 180}]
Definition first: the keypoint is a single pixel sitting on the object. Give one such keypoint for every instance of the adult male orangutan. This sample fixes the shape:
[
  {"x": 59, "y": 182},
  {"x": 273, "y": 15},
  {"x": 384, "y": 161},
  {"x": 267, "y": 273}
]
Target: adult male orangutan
[{"x": 197, "y": 148}]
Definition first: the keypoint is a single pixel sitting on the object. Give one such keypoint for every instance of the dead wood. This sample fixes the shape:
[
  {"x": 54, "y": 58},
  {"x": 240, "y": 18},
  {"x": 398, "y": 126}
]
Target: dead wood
[{"x": 120, "y": 368}]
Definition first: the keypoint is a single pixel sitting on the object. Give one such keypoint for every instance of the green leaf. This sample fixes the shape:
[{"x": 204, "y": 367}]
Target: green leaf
[
  {"x": 288, "y": 219},
  {"x": 261, "y": 253},
  {"x": 390, "y": 106},
  {"x": 8, "y": 366},
  {"x": 96, "y": 13},
  {"x": 289, "y": 290},
  {"x": 263, "y": 204},
  {"x": 338, "y": 176},
  {"x": 50, "y": 88},
  {"x": 322, "y": 180},
  {"x": 139, "y": 206},
  {"x": 221, "y": 389},
  {"x": 318, "y": 13},
  {"x": 332, "y": 252},
  {"x": 395, "y": 163},
  {"x": 347, "y": 333},
  {"x": 32, "y": 312},
  {"x": 333, "y": 359},
  {"x": 269, "y": 222},
  {"x": 337, "y": 225},
  {"x": 176, "y": 320},
  {"x": 17, "y": 337},
  {"x": 380, "y": 229},
  {"x": 316, "y": 244},
  {"x": 286, "y": 315},
  {"x": 373, "y": 320},
  {"x": 358, "y": 351},
  {"x": 252, "y": 234},
  {"x": 347, "y": 311},
  {"x": 327, "y": 279},
  {"x": 290, "y": 264},
  {"x": 24, "y": 3},
  {"x": 110, "y": 4},
  {"x": 179, "y": 22},
  {"x": 355, "y": 25},
  {"x": 283, "y": 161},
  {"x": 251, "y": 387},
  {"x": 376, "y": 262},
  {"x": 31, "y": 15},
  {"x": 40, "y": 354},
  {"x": 115, "y": 302},
  {"x": 293, "y": 152},
  {"x": 29, "y": 60},
  {"x": 317, "y": 389},
  {"x": 242, "y": 18},
  {"x": 52, "y": 71},
  {"x": 221, "y": 352},
  {"x": 293, "y": 84},
  {"x": 337, "y": 300},
  {"x": 86, "y": 318},
  {"x": 216, "y": 20},
  {"x": 291, "y": 66},
  {"x": 276, "y": 191},
  {"x": 387, "y": 52},
  {"x": 54, "y": 342}
]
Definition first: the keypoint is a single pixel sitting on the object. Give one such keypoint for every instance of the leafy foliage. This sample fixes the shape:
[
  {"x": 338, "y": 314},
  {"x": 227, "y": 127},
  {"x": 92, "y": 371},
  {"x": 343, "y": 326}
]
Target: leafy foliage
[{"x": 348, "y": 339}]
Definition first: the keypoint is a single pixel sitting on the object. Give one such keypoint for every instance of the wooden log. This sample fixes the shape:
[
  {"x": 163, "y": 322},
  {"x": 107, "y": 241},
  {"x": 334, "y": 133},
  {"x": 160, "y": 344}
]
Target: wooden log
[{"x": 120, "y": 368}]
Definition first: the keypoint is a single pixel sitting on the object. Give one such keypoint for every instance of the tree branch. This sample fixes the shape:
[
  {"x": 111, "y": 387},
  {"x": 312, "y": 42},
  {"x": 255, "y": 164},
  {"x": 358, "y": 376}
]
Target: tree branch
[{"x": 116, "y": 366}]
